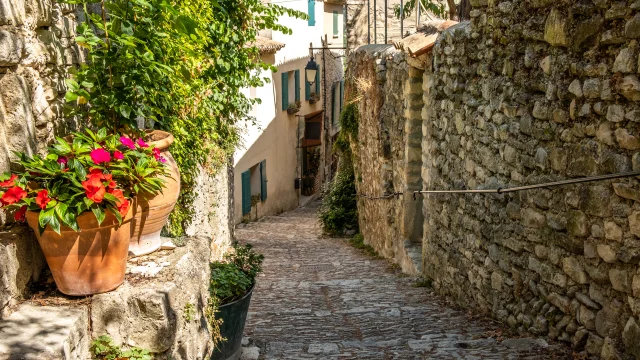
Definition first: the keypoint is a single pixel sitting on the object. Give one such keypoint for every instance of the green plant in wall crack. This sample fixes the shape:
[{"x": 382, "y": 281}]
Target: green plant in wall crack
[{"x": 103, "y": 348}]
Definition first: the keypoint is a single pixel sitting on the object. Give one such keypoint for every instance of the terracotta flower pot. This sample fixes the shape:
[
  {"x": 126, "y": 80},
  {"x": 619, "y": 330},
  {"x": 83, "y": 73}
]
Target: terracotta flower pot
[
  {"x": 151, "y": 214},
  {"x": 90, "y": 261}
]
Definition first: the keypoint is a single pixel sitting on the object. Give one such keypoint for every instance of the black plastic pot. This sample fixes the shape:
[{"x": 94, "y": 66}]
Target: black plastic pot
[{"x": 234, "y": 317}]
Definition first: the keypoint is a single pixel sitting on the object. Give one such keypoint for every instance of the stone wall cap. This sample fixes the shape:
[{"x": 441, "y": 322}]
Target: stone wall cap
[{"x": 423, "y": 41}]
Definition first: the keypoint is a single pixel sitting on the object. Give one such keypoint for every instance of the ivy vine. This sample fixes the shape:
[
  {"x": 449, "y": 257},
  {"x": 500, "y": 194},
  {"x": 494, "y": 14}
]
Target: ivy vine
[{"x": 175, "y": 65}]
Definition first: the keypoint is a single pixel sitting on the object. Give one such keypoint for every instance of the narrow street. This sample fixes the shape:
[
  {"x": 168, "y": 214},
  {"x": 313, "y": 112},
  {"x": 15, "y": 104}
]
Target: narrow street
[{"x": 321, "y": 298}]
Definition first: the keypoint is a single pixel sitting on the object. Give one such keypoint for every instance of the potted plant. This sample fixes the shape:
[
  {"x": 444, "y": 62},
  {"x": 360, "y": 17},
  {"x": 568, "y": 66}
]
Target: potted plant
[
  {"x": 151, "y": 213},
  {"x": 232, "y": 283},
  {"x": 294, "y": 107},
  {"x": 77, "y": 199},
  {"x": 314, "y": 98}
]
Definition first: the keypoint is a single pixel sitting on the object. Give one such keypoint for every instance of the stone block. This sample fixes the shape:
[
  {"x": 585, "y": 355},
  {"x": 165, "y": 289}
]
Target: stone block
[
  {"x": 625, "y": 61},
  {"x": 629, "y": 87},
  {"x": 587, "y": 317},
  {"x": 11, "y": 46},
  {"x": 556, "y": 29},
  {"x": 635, "y": 286},
  {"x": 634, "y": 223},
  {"x": 532, "y": 218},
  {"x": 620, "y": 280},
  {"x": 607, "y": 253},
  {"x": 21, "y": 262},
  {"x": 631, "y": 338},
  {"x": 632, "y": 27},
  {"x": 608, "y": 319},
  {"x": 151, "y": 315},
  {"x": 577, "y": 224},
  {"x": 572, "y": 267},
  {"x": 626, "y": 191},
  {"x": 12, "y": 12},
  {"x": 18, "y": 132},
  {"x": 626, "y": 140},
  {"x": 612, "y": 231},
  {"x": 49, "y": 332}
]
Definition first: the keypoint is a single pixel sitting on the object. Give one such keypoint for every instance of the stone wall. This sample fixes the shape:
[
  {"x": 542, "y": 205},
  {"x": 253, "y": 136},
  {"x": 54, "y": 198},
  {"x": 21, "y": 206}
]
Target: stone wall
[
  {"x": 525, "y": 93},
  {"x": 36, "y": 52},
  {"x": 387, "y": 156}
]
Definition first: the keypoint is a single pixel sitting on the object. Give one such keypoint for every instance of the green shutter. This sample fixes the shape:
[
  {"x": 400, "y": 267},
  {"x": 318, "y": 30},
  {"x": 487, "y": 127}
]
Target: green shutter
[
  {"x": 335, "y": 23},
  {"x": 297, "y": 77},
  {"x": 341, "y": 94},
  {"x": 246, "y": 192},
  {"x": 312, "y": 12},
  {"x": 285, "y": 90},
  {"x": 263, "y": 180},
  {"x": 318, "y": 81}
]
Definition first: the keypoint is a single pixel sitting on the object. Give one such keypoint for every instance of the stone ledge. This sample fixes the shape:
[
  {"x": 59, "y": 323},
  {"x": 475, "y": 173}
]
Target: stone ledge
[
  {"x": 161, "y": 310},
  {"x": 45, "y": 333}
]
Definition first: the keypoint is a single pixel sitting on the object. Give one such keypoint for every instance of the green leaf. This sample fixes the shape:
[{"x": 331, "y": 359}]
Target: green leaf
[{"x": 98, "y": 212}]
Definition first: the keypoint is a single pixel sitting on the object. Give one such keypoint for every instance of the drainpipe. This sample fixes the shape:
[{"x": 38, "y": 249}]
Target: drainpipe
[
  {"x": 401, "y": 19},
  {"x": 368, "y": 22},
  {"x": 375, "y": 22},
  {"x": 385, "y": 21}
]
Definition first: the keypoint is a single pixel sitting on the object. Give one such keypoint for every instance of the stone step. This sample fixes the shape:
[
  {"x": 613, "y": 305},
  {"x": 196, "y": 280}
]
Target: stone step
[{"x": 45, "y": 333}]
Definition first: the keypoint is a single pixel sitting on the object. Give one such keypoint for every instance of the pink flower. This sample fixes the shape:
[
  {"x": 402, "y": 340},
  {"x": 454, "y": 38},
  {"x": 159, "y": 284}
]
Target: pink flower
[
  {"x": 62, "y": 160},
  {"x": 100, "y": 156},
  {"x": 127, "y": 142},
  {"x": 118, "y": 155},
  {"x": 141, "y": 143},
  {"x": 156, "y": 153},
  {"x": 162, "y": 160}
]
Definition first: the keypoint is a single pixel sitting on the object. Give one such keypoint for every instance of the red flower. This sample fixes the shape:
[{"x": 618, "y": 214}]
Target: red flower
[
  {"x": 13, "y": 195},
  {"x": 156, "y": 153},
  {"x": 122, "y": 203},
  {"x": 62, "y": 160},
  {"x": 100, "y": 155},
  {"x": 118, "y": 155},
  {"x": 9, "y": 183},
  {"x": 141, "y": 143},
  {"x": 94, "y": 189},
  {"x": 20, "y": 215},
  {"x": 109, "y": 178},
  {"x": 127, "y": 142},
  {"x": 43, "y": 199}
]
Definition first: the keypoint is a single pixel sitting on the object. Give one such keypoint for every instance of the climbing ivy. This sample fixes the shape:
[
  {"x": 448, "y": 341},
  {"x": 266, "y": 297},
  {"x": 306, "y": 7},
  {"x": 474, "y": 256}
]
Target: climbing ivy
[
  {"x": 176, "y": 65},
  {"x": 339, "y": 211}
]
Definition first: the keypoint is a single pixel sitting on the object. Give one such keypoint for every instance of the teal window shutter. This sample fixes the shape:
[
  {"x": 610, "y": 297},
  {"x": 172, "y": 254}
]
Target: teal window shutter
[
  {"x": 307, "y": 87},
  {"x": 263, "y": 180},
  {"x": 246, "y": 192},
  {"x": 318, "y": 81},
  {"x": 297, "y": 77},
  {"x": 335, "y": 23},
  {"x": 312, "y": 12},
  {"x": 285, "y": 90},
  {"x": 341, "y": 94}
]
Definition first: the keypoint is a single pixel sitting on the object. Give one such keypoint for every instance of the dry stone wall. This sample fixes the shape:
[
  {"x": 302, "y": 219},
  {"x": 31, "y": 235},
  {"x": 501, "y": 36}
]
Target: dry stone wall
[
  {"x": 36, "y": 52},
  {"x": 387, "y": 157},
  {"x": 529, "y": 92}
]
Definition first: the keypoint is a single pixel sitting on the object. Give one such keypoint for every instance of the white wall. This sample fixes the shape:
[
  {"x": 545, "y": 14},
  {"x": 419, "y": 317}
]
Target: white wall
[{"x": 298, "y": 43}]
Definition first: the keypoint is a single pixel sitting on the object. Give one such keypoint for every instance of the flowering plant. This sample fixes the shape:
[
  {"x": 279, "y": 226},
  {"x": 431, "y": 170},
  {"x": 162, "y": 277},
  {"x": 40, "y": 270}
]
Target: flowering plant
[{"x": 93, "y": 172}]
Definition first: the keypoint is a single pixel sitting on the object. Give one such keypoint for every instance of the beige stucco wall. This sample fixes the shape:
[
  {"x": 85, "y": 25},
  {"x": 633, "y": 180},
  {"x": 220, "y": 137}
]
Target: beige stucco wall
[
  {"x": 274, "y": 138},
  {"x": 328, "y": 24}
]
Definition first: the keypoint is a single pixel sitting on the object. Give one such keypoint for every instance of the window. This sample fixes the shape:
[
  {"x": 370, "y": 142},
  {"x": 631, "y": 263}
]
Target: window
[
  {"x": 254, "y": 183},
  {"x": 312, "y": 12},
  {"x": 335, "y": 24},
  {"x": 290, "y": 86}
]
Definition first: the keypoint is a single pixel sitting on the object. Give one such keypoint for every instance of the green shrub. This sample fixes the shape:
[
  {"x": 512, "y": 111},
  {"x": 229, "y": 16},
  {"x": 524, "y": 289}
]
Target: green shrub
[
  {"x": 339, "y": 211},
  {"x": 103, "y": 348},
  {"x": 232, "y": 278}
]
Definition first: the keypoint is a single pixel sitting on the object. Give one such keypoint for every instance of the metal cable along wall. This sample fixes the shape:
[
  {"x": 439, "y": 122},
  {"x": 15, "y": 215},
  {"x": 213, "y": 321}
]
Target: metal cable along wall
[{"x": 507, "y": 190}]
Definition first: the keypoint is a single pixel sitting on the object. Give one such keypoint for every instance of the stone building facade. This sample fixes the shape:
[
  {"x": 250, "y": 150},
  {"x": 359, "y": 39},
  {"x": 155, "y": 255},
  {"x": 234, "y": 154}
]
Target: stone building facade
[
  {"x": 526, "y": 93},
  {"x": 37, "y": 54},
  {"x": 387, "y": 157}
]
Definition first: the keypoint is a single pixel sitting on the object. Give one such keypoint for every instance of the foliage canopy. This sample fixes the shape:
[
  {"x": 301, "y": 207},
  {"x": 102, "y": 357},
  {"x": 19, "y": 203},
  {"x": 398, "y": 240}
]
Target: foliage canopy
[{"x": 176, "y": 65}]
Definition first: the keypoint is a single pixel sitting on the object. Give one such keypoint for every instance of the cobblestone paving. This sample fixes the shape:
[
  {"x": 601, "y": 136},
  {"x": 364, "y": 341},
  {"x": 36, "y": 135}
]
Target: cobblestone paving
[{"x": 320, "y": 298}]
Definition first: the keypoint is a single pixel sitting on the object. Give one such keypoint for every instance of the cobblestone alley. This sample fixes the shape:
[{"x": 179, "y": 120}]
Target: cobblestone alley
[{"x": 321, "y": 298}]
